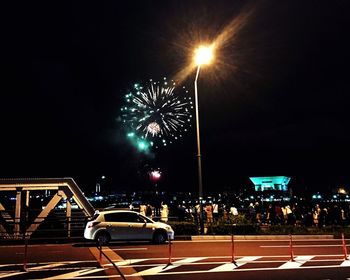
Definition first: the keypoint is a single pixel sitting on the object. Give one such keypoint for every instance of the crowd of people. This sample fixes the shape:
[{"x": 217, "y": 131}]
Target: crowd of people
[
  {"x": 294, "y": 214},
  {"x": 261, "y": 213},
  {"x": 151, "y": 212}
]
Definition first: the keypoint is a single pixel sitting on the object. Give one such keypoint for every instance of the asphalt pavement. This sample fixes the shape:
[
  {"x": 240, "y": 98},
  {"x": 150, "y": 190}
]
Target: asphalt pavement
[{"x": 203, "y": 258}]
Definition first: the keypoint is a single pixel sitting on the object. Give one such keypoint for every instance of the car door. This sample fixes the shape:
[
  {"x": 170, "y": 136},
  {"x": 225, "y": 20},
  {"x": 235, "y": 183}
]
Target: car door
[
  {"x": 141, "y": 228},
  {"x": 116, "y": 226}
]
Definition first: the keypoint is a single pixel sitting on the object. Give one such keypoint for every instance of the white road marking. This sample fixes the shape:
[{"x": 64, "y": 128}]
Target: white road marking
[
  {"x": 236, "y": 270},
  {"x": 189, "y": 260},
  {"x": 224, "y": 267},
  {"x": 231, "y": 266},
  {"x": 162, "y": 268},
  {"x": 52, "y": 265},
  {"x": 298, "y": 261},
  {"x": 130, "y": 249},
  {"x": 129, "y": 262},
  {"x": 345, "y": 263},
  {"x": 11, "y": 274},
  {"x": 154, "y": 270},
  {"x": 244, "y": 260},
  {"x": 75, "y": 273}
]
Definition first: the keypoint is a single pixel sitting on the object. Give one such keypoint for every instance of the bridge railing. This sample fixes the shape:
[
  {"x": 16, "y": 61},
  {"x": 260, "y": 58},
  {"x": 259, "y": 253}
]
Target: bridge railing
[{"x": 55, "y": 226}]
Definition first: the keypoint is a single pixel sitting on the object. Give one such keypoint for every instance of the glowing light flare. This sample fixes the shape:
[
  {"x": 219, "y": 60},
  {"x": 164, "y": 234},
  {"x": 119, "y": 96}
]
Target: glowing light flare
[
  {"x": 342, "y": 190},
  {"x": 204, "y": 55},
  {"x": 224, "y": 38}
]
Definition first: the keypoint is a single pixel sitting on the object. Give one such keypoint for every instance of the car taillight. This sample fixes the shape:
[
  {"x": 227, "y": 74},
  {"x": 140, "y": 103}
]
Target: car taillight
[{"x": 92, "y": 224}]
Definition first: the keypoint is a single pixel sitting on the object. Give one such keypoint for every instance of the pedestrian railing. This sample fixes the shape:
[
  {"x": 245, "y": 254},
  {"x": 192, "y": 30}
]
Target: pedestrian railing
[{"x": 56, "y": 226}]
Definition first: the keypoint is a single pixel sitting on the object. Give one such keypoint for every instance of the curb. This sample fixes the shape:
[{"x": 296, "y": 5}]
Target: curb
[{"x": 259, "y": 237}]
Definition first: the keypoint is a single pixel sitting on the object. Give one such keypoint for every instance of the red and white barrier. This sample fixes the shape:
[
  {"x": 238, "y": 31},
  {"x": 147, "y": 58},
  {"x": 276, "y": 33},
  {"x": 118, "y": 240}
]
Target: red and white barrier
[
  {"x": 344, "y": 247},
  {"x": 291, "y": 248}
]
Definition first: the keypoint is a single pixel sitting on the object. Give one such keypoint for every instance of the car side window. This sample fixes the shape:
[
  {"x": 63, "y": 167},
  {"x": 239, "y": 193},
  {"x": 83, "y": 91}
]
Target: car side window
[
  {"x": 113, "y": 217},
  {"x": 124, "y": 217},
  {"x": 133, "y": 218}
]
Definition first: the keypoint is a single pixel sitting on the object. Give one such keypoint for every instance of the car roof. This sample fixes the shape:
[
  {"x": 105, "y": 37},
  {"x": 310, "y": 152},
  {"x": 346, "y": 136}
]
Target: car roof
[{"x": 116, "y": 211}]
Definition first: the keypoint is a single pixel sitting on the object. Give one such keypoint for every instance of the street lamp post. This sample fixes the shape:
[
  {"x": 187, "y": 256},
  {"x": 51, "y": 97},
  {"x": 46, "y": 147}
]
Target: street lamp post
[
  {"x": 199, "y": 159},
  {"x": 203, "y": 55}
]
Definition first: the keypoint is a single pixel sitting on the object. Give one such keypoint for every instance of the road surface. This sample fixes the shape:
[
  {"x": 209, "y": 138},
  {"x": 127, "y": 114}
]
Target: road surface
[{"x": 216, "y": 259}]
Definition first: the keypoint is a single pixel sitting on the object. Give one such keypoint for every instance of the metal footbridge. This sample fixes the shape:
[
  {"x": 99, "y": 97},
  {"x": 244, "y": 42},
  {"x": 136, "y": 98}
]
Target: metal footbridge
[{"x": 65, "y": 189}]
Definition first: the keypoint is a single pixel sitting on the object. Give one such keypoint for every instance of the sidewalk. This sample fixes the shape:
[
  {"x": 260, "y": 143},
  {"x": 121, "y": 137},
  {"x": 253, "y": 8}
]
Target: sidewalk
[
  {"x": 253, "y": 237},
  {"x": 177, "y": 238}
]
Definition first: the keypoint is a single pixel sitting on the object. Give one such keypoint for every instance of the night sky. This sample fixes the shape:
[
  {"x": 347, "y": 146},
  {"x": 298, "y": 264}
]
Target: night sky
[{"x": 275, "y": 103}]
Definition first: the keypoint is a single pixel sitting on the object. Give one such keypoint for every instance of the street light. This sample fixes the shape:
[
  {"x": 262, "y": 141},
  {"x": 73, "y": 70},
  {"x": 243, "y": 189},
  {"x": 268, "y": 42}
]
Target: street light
[{"x": 203, "y": 56}]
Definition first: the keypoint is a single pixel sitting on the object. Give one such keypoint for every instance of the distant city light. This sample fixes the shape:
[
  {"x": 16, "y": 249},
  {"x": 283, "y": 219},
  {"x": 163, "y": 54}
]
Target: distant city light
[{"x": 342, "y": 191}]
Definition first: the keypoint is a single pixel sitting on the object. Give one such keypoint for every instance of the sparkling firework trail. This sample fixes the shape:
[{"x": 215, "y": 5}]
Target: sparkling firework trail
[{"x": 156, "y": 114}]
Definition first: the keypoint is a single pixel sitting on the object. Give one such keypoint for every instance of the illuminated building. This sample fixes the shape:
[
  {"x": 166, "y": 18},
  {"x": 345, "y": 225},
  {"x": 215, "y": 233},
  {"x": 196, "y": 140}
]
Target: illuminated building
[{"x": 272, "y": 188}]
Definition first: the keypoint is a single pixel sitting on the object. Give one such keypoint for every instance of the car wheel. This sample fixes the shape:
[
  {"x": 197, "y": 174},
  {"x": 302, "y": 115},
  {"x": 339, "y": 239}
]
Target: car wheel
[
  {"x": 103, "y": 238},
  {"x": 160, "y": 237}
]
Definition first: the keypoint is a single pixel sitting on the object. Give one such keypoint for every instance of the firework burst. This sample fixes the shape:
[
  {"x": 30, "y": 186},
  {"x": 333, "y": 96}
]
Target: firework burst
[{"x": 156, "y": 114}]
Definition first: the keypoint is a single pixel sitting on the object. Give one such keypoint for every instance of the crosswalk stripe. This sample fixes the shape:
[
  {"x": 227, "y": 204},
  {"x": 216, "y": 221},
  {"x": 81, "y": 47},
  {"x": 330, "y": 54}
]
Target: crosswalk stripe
[
  {"x": 161, "y": 268},
  {"x": 247, "y": 259},
  {"x": 224, "y": 267},
  {"x": 231, "y": 266},
  {"x": 75, "y": 273},
  {"x": 129, "y": 262},
  {"x": 190, "y": 260},
  {"x": 345, "y": 263},
  {"x": 154, "y": 270},
  {"x": 298, "y": 262},
  {"x": 11, "y": 274},
  {"x": 52, "y": 265}
]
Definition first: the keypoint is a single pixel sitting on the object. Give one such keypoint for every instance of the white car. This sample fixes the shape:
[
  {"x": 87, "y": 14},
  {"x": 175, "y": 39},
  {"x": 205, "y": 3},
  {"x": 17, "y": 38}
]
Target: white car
[{"x": 126, "y": 225}]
